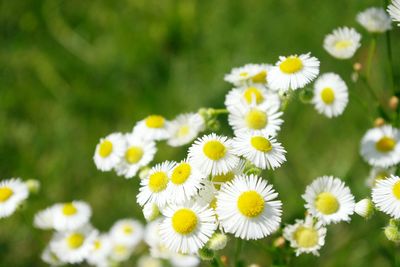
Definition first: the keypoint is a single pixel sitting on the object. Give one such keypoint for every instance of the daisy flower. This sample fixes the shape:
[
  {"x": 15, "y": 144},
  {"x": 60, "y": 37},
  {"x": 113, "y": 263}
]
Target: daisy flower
[
  {"x": 137, "y": 153},
  {"x": 218, "y": 180},
  {"x": 380, "y": 146},
  {"x": 251, "y": 95},
  {"x": 185, "y": 128},
  {"x": 255, "y": 118},
  {"x": 247, "y": 207},
  {"x": 293, "y": 72},
  {"x": 154, "y": 127},
  {"x": 100, "y": 251},
  {"x": 212, "y": 154},
  {"x": 329, "y": 199},
  {"x": 109, "y": 151},
  {"x": 378, "y": 173},
  {"x": 73, "y": 246},
  {"x": 330, "y": 95},
  {"x": 342, "y": 43},
  {"x": 150, "y": 211},
  {"x": 154, "y": 187},
  {"x": 187, "y": 227},
  {"x": 260, "y": 149},
  {"x": 182, "y": 260},
  {"x": 44, "y": 219},
  {"x": 153, "y": 239},
  {"x": 184, "y": 183},
  {"x": 12, "y": 193},
  {"x": 208, "y": 192},
  {"x": 305, "y": 236},
  {"x": 386, "y": 196},
  {"x": 248, "y": 74},
  {"x": 120, "y": 252},
  {"x": 127, "y": 231},
  {"x": 71, "y": 215},
  {"x": 374, "y": 20},
  {"x": 394, "y": 10}
]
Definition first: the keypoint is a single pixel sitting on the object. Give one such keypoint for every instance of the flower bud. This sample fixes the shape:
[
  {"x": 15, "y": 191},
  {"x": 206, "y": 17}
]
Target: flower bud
[
  {"x": 144, "y": 172},
  {"x": 33, "y": 186},
  {"x": 151, "y": 212},
  {"x": 206, "y": 254},
  {"x": 217, "y": 241},
  {"x": 364, "y": 208},
  {"x": 379, "y": 122},
  {"x": 393, "y": 102},
  {"x": 392, "y": 231},
  {"x": 279, "y": 242},
  {"x": 306, "y": 95},
  {"x": 357, "y": 66}
]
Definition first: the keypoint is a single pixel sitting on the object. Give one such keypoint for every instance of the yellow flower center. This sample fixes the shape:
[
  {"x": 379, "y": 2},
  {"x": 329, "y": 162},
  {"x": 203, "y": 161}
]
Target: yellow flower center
[
  {"x": 291, "y": 65},
  {"x": 181, "y": 173},
  {"x": 69, "y": 209},
  {"x": 306, "y": 237},
  {"x": 158, "y": 181},
  {"x": 106, "y": 147},
  {"x": 120, "y": 249},
  {"x": 97, "y": 244},
  {"x": 127, "y": 229},
  {"x": 213, "y": 204},
  {"x": 214, "y": 150},
  {"x": 75, "y": 240},
  {"x": 5, "y": 193},
  {"x": 155, "y": 121},
  {"x": 327, "y": 203},
  {"x": 260, "y": 77},
  {"x": 133, "y": 154},
  {"x": 184, "y": 221},
  {"x": 222, "y": 178},
  {"x": 183, "y": 130},
  {"x": 256, "y": 119},
  {"x": 327, "y": 95},
  {"x": 253, "y": 93},
  {"x": 250, "y": 204},
  {"x": 385, "y": 144},
  {"x": 396, "y": 190},
  {"x": 261, "y": 143},
  {"x": 343, "y": 44},
  {"x": 244, "y": 74}
]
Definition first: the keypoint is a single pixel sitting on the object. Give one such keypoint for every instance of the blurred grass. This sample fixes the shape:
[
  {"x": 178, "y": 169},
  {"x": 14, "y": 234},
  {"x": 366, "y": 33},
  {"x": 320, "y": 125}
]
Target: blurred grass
[{"x": 74, "y": 71}]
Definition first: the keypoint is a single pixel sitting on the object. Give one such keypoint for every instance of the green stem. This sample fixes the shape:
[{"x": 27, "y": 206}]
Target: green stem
[
  {"x": 390, "y": 60},
  {"x": 371, "y": 53},
  {"x": 217, "y": 262},
  {"x": 238, "y": 249},
  {"x": 220, "y": 111}
]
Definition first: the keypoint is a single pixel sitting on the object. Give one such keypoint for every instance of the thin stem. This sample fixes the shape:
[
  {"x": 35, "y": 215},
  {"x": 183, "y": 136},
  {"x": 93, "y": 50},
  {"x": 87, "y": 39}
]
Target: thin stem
[
  {"x": 389, "y": 53},
  {"x": 371, "y": 53},
  {"x": 370, "y": 90},
  {"x": 220, "y": 111},
  {"x": 217, "y": 262},
  {"x": 238, "y": 249}
]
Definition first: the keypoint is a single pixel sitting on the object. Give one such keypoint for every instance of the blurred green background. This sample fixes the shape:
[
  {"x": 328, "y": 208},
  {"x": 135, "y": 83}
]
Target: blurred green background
[{"x": 74, "y": 71}]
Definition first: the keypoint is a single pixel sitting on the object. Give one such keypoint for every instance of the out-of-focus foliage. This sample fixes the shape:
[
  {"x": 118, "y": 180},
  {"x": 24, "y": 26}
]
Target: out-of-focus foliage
[{"x": 74, "y": 71}]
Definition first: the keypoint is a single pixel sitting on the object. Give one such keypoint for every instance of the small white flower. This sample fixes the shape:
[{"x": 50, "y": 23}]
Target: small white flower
[
  {"x": 247, "y": 207},
  {"x": 70, "y": 216},
  {"x": 260, "y": 149},
  {"x": 380, "y": 146},
  {"x": 364, "y": 208},
  {"x": 154, "y": 127},
  {"x": 375, "y": 20},
  {"x": 44, "y": 219},
  {"x": 329, "y": 199},
  {"x": 151, "y": 211},
  {"x": 293, "y": 72},
  {"x": 330, "y": 95},
  {"x": 212, "y": 154},
  {"x": 305, "y": 236},
  {"x": 185, "y": 128},
  {"x": 100, "y": 251},
  {"x": 378, "y": 173},
  {"x": 153, "y": 239},
  {"x": 394, "y": 10},
  {"x": 248, "y": 74},
  {"x": 342, "y": 43},
  {"x": 12, "y": 193},
  {"x": 128, "y": 232},
  {"x": 218, "y": 180},
  {"x": 109, "y": 151},
  {"x": 182, "y": 260},
  {"x": 386, "y": 196},
  {"x": 50, "y": 258},
  {"x": 120, "y": 252}
]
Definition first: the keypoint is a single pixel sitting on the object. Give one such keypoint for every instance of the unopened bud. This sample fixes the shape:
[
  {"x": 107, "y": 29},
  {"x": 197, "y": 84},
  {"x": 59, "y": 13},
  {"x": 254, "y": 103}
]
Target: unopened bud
[
  {"x": 306, "y": 95},
  {"x": 279, "y": 242},
  {"x": 217, "y": 241},
  {"x": 394, "y": 103},
  {"x": 379, "y": 122},
  {"x": 364, "y": 208},
  {"x": 357, "y": 66},
  {"x": 144, "y": 172},
  {"x": 33, "y": 186},
  {"x": 224, "y": 260},
  {"x": 392, "y": 231},
  {"x": 151, "y": 212},
  {"x": 206, "y": 254}
]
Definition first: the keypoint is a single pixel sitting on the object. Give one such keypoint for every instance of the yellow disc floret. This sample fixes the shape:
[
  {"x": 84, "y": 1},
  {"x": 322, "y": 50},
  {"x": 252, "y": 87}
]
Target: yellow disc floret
[
  {"x": 250, "y": 204},
  {"x": 184, "y": 221},
  {"x": 214, "y": 150},
  {"x": 396, "y": 190},
  {"x": 181, "y": 173},
  {"x": 253, "y": 93},
  {"x": 385, "y": 144},
  {"x": 261, "y": 143},
  {"x": 75, "y": 240},
  {"x": 291, "y": 65},
  {"x": 256, "y": 119},
  {"x": 158, "y": 181},
  {"x": 327, "y": 203},
  {"x": 183, "y": 131},
  {"x": 155, "y": 121},
  {"x": 69, "y": 209},
  {"x": 105, "y": 149},
  {"x": 5, "y": 193},
  {"x": 343, "y": 44},
  {"x": 127, "y": 229},
  {"x": 133, "y": 154},
  {"x": 260, "y": 77},
  {"x": 306, "y": 237},
  {"x": 328, "y": 95}
]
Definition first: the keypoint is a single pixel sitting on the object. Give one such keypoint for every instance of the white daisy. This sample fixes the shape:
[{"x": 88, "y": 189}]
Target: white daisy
[
  {"x": 44, "y": 219},
  {"x": 255, "y": 118},
  {"x": 187, "y": 227},
  {"x": 330, "y": 95},
  {"x": 120, "y": 252},
  {"x": 50, "y": 258},
  {"x": 218, "y": 180},
  {"x": 378, "y": 173},
  {"x": 73, "y": 246},
  {"x": 394, "y": 10},
  {"x": 184, "y": 183},
  {"x": 212, "y": 154},
  {"x": 137, "y": 153},
  {"x": 109, "y": 151},
  {"x": 153, "y": 239},
  {"x": 380, "y": 146},
  {"x": 386, "y": 196},
  {"x": 182, "y": 260},
  {"x": 185, "y": 128},
  {"x": 375, "y": 20},
  {"x": 127, "y": 231},
  {"x": 305, "y": 236},
  {"x": 12, "y": 193},
  {"x": 208, "y": 192},
  {"x": 151, "y": 211},
  {"x": 342, "y": 43},
  {"x": 100, "y": 251},
  {"x": 154, "y": 127},
  {"x": 260, "y": 149},
  {"x": 329, "y": 199},
  {"x": 246, "y": 207},
  {"x": 248, "y": 74},
  {"x": 70, "y": 216},
  {"x": 251, "y": 95},
  {"x": 154, "y": 187},
  {"x": 293, "y": 72}
]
